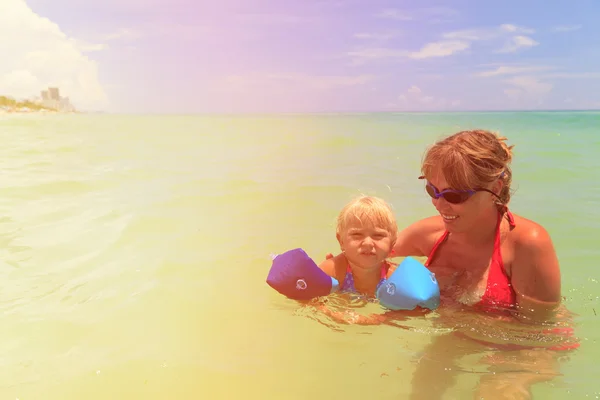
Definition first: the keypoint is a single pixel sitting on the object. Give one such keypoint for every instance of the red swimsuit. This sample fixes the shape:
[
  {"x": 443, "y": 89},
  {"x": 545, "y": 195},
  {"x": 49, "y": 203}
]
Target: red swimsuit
[{"x": 499, "y": 291}]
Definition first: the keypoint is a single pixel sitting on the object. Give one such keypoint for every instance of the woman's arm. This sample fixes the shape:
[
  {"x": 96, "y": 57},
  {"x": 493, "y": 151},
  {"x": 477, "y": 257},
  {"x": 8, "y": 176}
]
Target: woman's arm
[
  {"x": 416, "y": 239},
  {"x": 535, "y": 274}
]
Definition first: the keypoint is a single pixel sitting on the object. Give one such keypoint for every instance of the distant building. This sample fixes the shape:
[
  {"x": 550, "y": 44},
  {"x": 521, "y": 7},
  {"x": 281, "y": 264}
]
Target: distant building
[
  {"x": 54, "y": 94},
  {"x": 51, "y": 99}
]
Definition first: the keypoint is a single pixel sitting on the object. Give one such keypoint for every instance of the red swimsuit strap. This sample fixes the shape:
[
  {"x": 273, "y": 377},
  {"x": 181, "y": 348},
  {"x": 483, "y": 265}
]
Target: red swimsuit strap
[
  {"x": 511, "y": 219},
  {"x": 442, "y": 239},
  {"x": 497, "y": 255},
  {"x": 437, "y": 244},
  {"x": 496, "y": 252}
]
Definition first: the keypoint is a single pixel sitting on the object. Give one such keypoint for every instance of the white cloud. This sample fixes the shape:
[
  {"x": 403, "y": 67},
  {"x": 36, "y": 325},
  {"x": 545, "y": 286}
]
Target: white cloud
[
  {"x": 452, "y": 43},
  {"x": 382, "y": 36},
  {"x": 484, "y": 34},
  {"x": 86, "y": 47},
  {"x": 566, "y": 28},
  {"x": 513, "y": 70},
  {"x": 37, "y": 54},
  {"x": 414, "y": 89},
  {"x": 472, "y": 35},
  {"x": 527, "y": 86},
  {"x": 523, "y": 85},
  {"x": 516, "y": 29},
  {"x": 517, "y": 39},
  {"x": 415, "y": 98},
  {"x": 440, "y": 49},
  {"x": 376, "y": 53},
  {"x": 544, "y": 72},
  {"x": 573, "y": 75},
  {"x": 516, "y": 43}
]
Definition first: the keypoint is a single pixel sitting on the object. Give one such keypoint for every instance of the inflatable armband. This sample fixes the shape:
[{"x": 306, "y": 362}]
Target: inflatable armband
[
  {"x": 295, "y": 275},
  {"x": 409, "y": 286}
]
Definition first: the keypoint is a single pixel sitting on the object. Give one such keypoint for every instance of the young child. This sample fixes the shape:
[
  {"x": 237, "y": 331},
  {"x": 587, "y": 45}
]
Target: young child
[{"x": 366, "y": 231}]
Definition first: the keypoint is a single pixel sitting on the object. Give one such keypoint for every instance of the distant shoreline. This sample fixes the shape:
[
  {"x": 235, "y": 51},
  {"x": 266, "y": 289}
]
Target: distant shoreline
[
  {"x": 9, "y": 105},
  {"x": 25, "y": 111}
]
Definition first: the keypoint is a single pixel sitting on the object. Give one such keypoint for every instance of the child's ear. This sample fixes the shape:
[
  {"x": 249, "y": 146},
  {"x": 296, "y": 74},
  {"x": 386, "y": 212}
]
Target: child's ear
[{"x": 339, "y": 239}]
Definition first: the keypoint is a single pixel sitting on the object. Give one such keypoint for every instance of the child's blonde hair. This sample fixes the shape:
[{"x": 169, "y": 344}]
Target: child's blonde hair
[{"x": 370, "y": 211}]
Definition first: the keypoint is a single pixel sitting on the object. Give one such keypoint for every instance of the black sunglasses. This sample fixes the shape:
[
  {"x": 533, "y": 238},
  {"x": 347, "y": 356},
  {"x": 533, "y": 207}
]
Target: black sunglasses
[{"x": 453, "y": 196}]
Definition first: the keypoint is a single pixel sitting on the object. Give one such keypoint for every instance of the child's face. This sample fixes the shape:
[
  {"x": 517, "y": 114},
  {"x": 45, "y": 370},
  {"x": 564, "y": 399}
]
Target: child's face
[{"x": 365, "y": 246}]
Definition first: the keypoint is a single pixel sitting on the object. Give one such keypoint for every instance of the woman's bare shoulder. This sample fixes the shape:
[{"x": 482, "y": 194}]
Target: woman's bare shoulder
[
  {"x": 529, "y": 233},
  {"x": 535, "y": 272}
]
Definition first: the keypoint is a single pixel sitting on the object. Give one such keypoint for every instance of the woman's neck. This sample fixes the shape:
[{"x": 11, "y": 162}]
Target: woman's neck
[{"x": 482, "y": 233}]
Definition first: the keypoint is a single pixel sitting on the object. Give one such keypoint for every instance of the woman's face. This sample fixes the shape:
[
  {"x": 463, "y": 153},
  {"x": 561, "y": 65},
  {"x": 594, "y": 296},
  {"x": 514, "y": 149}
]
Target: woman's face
[{"x": 463, "y": 216}]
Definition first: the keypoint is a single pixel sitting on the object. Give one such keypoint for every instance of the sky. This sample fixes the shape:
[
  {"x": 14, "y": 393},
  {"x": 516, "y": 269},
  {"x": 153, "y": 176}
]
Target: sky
[{"x": 245, "y": 56}]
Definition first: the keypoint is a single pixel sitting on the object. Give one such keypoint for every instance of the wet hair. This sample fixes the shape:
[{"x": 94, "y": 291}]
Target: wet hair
[
  {"x": 471, "y": 159},
  {"x": 368, "y": 211}
]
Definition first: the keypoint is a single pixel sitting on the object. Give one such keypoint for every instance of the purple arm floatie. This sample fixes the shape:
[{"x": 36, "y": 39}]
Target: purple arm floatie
[{"x": 295, "y": 275}]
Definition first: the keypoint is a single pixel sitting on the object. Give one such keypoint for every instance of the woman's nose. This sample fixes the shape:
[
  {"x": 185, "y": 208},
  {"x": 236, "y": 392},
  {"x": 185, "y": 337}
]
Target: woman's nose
[{"x": 438, "y": 200}]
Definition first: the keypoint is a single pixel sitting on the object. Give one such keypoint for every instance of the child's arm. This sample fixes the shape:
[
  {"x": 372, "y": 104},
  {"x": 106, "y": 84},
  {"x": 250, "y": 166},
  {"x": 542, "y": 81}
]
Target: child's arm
[
  {"x": 329, "y": 264},
  {"x": 335, "y": 267},
  {"x": 351, "y": 317},
  {"x": 387, "y": 318}
]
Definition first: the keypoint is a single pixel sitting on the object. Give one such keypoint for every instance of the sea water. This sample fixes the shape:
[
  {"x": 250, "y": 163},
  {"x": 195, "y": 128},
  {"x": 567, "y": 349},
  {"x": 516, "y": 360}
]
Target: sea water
[{"x": 134, "y": 252}]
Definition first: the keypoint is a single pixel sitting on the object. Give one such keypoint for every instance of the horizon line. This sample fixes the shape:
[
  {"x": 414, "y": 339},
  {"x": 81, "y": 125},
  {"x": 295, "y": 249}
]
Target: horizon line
[{"x": 338, "y": 112}]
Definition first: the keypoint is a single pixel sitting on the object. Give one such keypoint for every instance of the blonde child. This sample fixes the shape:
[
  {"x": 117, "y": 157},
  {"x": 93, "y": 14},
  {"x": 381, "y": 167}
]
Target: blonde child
[{"x": 366, "y": 231}]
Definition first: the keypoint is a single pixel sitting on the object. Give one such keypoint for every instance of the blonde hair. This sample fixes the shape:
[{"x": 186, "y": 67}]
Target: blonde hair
[
  {"x": 471, "y": 159},
  {"x": 368, "y": 210}
]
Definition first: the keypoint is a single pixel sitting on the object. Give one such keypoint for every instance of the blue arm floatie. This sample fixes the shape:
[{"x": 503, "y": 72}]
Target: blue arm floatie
[{"x": 410, "y": 285}]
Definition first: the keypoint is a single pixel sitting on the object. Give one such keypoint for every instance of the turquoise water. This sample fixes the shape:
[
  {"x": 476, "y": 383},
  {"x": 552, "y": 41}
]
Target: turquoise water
[{"x": 135, "y": 251}]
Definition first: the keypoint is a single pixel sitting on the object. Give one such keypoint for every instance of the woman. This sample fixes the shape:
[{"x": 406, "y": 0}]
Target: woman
[
  {"x": 485, "y": 259},
  {"x": 482, "y": 254}
]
